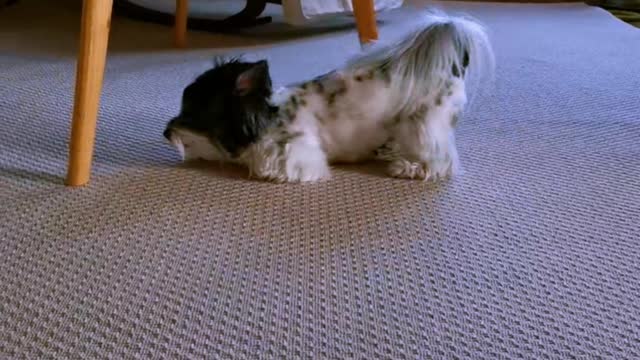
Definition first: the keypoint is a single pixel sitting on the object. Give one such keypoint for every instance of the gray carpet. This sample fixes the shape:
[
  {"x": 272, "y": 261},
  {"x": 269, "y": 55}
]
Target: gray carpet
[{"x": 532, "y": 254}]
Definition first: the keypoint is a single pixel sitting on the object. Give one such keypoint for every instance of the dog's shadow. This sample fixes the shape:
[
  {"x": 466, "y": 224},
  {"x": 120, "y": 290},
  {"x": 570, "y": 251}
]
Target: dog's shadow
[
  {"x": 374, "y": 168},
  {"x": 216, "y": 169},
  {"x": 237, "y": 172}
]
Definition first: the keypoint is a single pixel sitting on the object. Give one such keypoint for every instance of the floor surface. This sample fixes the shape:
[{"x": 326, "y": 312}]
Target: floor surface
[{"x": 531, "y": 254}]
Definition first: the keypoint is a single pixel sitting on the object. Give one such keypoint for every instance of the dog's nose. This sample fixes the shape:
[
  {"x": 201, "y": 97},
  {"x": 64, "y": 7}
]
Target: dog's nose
[{"x": 167, "y": 133}]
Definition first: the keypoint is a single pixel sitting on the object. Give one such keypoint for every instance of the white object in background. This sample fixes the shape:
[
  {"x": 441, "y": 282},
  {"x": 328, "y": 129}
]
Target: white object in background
[{"x": 298, "y": 12}]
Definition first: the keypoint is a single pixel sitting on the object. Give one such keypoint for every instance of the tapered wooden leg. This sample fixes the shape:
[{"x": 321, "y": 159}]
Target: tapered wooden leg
[
  {"x": 364, "y": 12},
  {"x": 180, "y": 27},
  {"x": 94, "y": 36}
]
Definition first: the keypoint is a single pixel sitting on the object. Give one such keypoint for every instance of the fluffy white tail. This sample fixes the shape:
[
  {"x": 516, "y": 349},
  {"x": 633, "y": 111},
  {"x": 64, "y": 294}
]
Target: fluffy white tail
[{"x": 441, "y": 47}]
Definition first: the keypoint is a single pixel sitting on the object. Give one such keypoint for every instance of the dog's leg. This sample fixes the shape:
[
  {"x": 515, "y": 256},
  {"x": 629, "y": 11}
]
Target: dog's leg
[
  {"x": 424, "y": 145},
  {"x": 306, "y": 161},
  {"x": 424, "y": 140},
  {"x": 289, "y": 158}
]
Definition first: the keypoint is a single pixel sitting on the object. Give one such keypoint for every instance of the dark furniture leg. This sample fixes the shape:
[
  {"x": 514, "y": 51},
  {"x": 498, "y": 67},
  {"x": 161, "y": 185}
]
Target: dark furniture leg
[{"x": 247, "y": 17}]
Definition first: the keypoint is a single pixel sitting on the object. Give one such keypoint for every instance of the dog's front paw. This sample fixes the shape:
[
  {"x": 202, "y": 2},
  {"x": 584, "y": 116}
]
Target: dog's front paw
[
  {"x": 306, "y": 162},
  {"x": 307, "y": 171},
  {"x": 301, "y": 160},
  {"x": 309, "y": 167}
]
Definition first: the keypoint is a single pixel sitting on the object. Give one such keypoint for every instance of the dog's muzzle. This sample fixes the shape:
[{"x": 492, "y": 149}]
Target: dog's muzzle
[{"x": 168, "y": 132}]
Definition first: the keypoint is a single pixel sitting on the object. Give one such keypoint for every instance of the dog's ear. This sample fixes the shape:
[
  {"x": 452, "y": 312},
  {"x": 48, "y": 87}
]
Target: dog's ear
[{"x": 255, "y": 79}]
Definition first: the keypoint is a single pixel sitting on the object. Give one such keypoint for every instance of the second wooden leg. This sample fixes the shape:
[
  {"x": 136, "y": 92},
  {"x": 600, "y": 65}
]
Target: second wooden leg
[
  {"x": 94, "y": 37},
  {"x": 364, "y": 11},
  {"x": 180, "y": 27}
]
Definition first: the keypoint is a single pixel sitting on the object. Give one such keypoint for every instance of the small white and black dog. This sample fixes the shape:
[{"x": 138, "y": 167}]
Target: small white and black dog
[{"x": 399, "y": 103}]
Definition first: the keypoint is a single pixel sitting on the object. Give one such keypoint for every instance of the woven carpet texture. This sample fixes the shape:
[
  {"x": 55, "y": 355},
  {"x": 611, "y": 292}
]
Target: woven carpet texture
[{"x": 533, "y": 253}]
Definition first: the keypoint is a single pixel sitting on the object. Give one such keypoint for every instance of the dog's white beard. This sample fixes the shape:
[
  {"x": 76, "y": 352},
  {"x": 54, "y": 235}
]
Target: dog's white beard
[{"x": 193, "y": 146}]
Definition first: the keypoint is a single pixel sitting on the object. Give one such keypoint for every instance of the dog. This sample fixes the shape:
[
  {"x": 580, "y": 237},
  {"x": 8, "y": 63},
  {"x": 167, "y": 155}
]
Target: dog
[{"x": 399, "y": 103}]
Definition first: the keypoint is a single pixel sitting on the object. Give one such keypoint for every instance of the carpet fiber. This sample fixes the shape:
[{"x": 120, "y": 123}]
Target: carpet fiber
[{"x": 532, "y": 253}]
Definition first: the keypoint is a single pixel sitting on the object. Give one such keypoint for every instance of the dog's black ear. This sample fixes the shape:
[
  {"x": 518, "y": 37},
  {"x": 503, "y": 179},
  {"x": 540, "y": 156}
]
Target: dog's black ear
[{"x": 256, "y": 79}]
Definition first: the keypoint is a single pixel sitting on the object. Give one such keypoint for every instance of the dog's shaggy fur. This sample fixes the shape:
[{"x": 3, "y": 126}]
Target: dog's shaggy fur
[{"x": 399, "y": 103}]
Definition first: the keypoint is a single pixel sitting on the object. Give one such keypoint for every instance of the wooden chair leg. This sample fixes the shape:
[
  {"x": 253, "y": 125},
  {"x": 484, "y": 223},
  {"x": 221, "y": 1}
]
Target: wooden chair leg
[
  {"x": 364, "y": 12},
  {"x": 94, "y": 37},
  {"x": 180, "y": 27}
]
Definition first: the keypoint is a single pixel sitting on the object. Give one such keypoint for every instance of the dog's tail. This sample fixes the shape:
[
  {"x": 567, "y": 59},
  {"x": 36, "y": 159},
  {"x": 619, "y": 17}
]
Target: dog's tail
[{"x": 440, "y": 48}]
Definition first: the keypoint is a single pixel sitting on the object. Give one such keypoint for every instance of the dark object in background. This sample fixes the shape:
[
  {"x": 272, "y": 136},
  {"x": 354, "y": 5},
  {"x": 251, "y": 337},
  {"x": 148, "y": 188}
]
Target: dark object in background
[
  {"x": 247, "y": 17},
  {"x": 5, "y": 3},
  {"x": 625, "y": 10},
  {"x": 631, "y": 5}
]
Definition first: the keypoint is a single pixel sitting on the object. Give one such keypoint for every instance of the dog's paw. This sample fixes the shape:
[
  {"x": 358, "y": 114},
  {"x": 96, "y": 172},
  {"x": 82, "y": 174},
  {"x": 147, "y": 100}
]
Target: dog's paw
[
  {"x": 404, "y": 169},
  {"x": 297, "y": 166},
  {"x": 426, "y": 171},
  {"x": 306, "y": 162},
  {"x": 307, "y": 171}
]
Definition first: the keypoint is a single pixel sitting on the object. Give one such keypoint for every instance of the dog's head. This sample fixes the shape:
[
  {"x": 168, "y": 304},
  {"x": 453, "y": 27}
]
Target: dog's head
[{"x": 223, "y": 111}]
